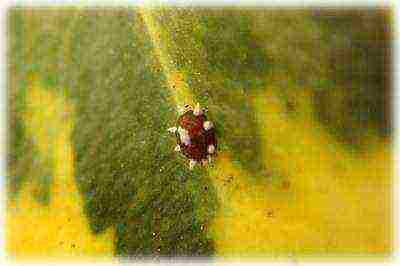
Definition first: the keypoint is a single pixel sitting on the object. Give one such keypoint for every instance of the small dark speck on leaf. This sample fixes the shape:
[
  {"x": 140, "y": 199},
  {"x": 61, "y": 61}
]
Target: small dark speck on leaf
[
  {"x": 285, "y": 185},
  {"x": 73, "y": 245},
  {"x": 290, "y": 106},
  {"x": 228, "y": 180},
  {"x": 182, "y": 178}
]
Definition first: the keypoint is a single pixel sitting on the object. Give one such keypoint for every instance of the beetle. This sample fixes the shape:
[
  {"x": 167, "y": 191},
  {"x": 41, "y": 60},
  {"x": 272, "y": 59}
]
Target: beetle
[{"x": 195, "y": 136}]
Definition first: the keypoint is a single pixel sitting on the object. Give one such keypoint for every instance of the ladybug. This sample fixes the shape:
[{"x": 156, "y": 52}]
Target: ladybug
[{"x": 195, "y": 136}]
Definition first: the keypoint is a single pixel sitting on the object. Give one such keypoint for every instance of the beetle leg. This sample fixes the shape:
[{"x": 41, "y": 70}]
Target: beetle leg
[
  {"x": 197, "y": 110},
  {"x": 172, "y": 129},
  {"x": 192, "y": 163},
  {"x": 181, "y": 110}
]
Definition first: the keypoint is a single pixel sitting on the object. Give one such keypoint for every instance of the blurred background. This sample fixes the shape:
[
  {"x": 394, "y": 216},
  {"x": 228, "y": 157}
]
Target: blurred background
[{"x": 301, "y": 100}]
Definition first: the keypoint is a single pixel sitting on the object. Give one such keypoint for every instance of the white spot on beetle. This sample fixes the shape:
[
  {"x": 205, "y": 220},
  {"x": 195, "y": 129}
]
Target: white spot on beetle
[
  {"x": 207, "y": 125},
  {"x": 184, "y": 136},
  {"x": 177, "y": 148},
  {"x": 210, "y": 148}
]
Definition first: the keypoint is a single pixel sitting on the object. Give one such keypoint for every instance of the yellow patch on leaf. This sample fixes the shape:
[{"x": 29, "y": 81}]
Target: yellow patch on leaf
[{"x": 59, "y": 229}]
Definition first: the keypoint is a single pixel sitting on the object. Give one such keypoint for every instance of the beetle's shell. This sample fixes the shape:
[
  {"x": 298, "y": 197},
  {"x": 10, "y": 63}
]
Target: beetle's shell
[{"x": 200, "y": 138}]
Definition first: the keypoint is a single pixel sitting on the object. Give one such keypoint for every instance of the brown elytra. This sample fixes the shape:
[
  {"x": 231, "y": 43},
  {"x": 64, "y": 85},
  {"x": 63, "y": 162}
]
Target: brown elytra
[{"x": 200, "y": 138}]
